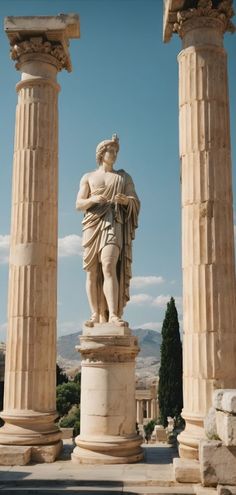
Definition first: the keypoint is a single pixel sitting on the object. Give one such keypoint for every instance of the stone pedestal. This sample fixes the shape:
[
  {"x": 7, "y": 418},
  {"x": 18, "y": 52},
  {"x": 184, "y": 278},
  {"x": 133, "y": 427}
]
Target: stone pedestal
[
  {"x": 108, "y": 409},
  {"x": 209, "y": 290},
  {"x": 40, "y": 49}
]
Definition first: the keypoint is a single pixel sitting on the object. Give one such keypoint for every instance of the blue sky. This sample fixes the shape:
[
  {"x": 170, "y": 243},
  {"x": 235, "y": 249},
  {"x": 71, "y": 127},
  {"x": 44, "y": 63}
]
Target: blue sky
[{"x": 124, "y": 80}]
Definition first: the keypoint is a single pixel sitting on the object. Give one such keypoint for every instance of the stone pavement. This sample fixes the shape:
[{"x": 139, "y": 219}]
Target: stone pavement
[{"x": 154, "y": 475}]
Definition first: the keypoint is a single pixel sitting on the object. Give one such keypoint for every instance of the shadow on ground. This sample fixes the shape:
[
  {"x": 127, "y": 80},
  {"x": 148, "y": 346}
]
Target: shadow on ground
[{"x": 160, "y": 455}]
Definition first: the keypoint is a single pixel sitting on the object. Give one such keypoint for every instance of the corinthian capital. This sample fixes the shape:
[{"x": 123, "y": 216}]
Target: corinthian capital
[
  {"x": 36, "y": 45},
  {"x": 201, "y": 13}
]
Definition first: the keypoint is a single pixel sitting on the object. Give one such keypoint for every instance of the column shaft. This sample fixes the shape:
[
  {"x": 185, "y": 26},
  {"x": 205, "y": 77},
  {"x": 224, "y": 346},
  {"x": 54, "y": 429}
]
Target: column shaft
[
  {"x": 31, "y": 348},
  {"x": 209, "y": 307}
]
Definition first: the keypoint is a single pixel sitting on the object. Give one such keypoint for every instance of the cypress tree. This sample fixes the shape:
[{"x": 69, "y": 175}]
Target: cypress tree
[{"x": 170, "y": 390}]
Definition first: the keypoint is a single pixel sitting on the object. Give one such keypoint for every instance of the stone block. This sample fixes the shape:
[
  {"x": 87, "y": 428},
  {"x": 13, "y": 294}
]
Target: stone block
[
  {"x": 217, "y": 463},
  {"x": 46, "y": 453},
  {"x": 226, "y": 427},
  {"x": 225, "y": 400},
  {"x": 186, "y": 470},
  {"x": 226, "y": 490},
  {"x": 160, "y": 432},
  {"x": 210, "y": 424},
  {"x": 13, "y": 455},
  {"x": 204, "y": 490},
  {"x": 67, "y": 433}
]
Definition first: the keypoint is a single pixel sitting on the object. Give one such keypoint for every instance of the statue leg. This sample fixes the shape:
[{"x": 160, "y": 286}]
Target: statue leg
[
  {"x": 109, "y": 258},
  {"x": 91, "y": 289}
]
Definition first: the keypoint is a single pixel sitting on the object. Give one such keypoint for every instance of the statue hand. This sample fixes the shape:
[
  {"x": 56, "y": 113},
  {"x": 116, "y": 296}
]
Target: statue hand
[
  {"x": 98, "y": 199},
  {"x": 121, "y": 199}
]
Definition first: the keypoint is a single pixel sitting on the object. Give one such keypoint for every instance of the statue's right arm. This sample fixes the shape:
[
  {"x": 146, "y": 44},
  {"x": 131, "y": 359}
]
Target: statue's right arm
[{"x": 83, "y": 202}]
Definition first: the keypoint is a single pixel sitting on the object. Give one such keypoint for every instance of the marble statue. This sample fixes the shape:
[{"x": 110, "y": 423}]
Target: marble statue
[{"x": 111, "y": 206}]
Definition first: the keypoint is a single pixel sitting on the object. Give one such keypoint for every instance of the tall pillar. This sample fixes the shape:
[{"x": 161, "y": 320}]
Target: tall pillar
[
  {"x": 40, "y": 48},
  {"x": 153, "y": 409},
  {"x": 141, "y": 411},
  {"x": 209, "y": 304}
]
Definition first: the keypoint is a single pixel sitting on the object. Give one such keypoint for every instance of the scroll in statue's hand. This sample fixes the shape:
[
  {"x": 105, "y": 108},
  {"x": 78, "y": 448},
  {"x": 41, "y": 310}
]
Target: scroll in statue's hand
[{"x": 121, "y": 199}]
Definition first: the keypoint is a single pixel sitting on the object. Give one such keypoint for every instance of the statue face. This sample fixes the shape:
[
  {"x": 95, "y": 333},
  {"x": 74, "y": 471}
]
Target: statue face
[{"x": 110, "y": 155}]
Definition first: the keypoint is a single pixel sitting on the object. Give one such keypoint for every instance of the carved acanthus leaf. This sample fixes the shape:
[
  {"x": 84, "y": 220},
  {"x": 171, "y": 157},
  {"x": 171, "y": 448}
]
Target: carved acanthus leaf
[
  {"x": 38, "y": 45},
  {"x": 223, "y": 12}
]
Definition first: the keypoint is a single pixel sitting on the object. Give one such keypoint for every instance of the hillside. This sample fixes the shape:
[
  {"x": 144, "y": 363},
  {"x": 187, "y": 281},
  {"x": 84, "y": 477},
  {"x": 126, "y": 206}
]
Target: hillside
[
  {"x": 149, "y": 341},
  {"x": 147, "y": 362}
]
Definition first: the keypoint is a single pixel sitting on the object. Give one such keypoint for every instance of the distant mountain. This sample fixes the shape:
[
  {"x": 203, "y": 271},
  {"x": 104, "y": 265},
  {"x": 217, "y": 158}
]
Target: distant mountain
[{"x": 149, "y": 341}]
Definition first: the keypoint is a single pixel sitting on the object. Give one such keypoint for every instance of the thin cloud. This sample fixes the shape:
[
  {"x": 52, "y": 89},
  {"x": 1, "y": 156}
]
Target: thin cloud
[
  {"x": 162, "y": 300},
  {"x": 70, "y": 245},
  {"x": 141, "y": 281},
  {"x": 4, "y": 249},
  {"x": 159, "y": 301},
  {"x": 140, "y": 299}
]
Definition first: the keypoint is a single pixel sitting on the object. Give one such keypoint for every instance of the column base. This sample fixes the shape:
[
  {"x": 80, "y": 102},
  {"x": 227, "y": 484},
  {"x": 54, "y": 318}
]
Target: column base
[
  {"x": 189, "y": 438},
  {"x": 108, "y": 450},
  {"x": 29, "y": 428}
]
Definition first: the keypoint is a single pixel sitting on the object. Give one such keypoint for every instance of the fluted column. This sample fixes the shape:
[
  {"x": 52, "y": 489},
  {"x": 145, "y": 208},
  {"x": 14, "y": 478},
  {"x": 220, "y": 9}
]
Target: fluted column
[
  {"x": 30, "y": 375},
  {"x": 209, "y": 304}
]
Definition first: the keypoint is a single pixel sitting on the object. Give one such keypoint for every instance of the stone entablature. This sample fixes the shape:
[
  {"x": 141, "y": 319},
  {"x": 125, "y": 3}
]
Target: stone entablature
[{"x": 42, "y": 35}]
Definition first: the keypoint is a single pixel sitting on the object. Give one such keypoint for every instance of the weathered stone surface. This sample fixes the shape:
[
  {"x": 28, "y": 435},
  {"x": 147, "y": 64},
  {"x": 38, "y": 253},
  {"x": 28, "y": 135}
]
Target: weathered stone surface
[
  {"x": 225, "y": 400},
  {"x": 210, "y": 424},
  {"x": 30, "y": 373},
  {"x": 66, "y": 433},
  {"x": 14, "y": 455},
  {"x": 160, "y": 433},
  {"x": 204, "y": 490},
  {"x": 226, "y": 427},
  {"x": 186, "y": 470},
  {"x": 226, "y": 490},
  {"x": 108, "y": 408},
  {"x": 207, "y": 213},
  {"x": 217, "y": 463},
  {"x": 46, "y": 453}
]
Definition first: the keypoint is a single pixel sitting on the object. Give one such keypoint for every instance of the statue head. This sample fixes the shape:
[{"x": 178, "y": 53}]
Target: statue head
[{"x": 105, "y": 146}]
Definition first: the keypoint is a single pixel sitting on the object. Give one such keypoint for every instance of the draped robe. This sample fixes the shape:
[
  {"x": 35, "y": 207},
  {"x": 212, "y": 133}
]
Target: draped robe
[{"x": 111, "y": 223}]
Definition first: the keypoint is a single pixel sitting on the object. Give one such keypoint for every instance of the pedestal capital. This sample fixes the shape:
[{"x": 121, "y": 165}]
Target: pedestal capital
[
  {"x": 42, "y": 38},
  {"x": 200, "y": 14},
  {"x": 110, "y": 345}
]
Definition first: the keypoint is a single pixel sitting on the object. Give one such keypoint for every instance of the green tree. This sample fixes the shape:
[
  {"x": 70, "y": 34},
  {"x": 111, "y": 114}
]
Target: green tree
[
  {"x": 68, "y": 395},
  {"x": 61, "y": 377},
  {"x": 71, "y": 420},
  {"x": 170, "y": 390}
]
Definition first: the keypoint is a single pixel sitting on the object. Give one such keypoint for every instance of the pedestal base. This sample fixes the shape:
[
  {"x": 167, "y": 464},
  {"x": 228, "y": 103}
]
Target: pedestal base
[
  {"x": 108, "y": 409},
  {"x": 109, "y": 450}
]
